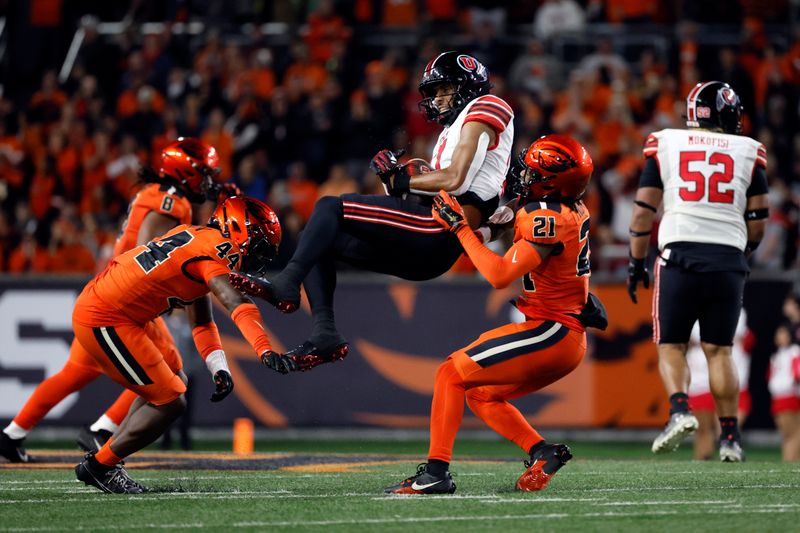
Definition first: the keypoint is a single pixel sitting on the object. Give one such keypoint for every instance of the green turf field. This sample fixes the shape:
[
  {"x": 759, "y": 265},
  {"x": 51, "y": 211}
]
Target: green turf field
[{"x": 336, "y": 486}]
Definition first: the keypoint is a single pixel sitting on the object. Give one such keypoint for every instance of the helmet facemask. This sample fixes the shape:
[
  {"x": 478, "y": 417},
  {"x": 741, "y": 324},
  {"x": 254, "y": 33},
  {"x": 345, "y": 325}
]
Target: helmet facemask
[{"x": 432, "y": 112}]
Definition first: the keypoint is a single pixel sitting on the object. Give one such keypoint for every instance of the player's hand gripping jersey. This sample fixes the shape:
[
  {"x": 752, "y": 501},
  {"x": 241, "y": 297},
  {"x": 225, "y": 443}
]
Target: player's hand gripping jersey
[
  {"x": 162, "y": 198},
  {"x": 166, "y": 273},
  {"x": 557, "y": 289},
  {"x": 707, "y": 178}
]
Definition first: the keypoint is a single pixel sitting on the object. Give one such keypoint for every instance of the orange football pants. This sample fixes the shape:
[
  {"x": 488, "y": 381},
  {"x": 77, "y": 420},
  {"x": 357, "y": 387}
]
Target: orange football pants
[
  {"x": 502, "y": 364},
  {"x": 80, "y": 370},
  {"x": 137, "y": 357}
]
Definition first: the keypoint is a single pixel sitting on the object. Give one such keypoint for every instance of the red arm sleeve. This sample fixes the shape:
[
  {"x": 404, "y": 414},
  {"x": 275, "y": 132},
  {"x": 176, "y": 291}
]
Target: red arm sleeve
[
  {"x": 500, "y": 271},
  {"x": 248, "y": 320}
]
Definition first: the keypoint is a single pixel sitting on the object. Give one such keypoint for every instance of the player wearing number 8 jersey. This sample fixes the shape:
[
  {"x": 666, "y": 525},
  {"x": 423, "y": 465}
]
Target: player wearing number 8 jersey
[
  {"x": 713, "y": 186},
  {"x": 551, "y": 254}
]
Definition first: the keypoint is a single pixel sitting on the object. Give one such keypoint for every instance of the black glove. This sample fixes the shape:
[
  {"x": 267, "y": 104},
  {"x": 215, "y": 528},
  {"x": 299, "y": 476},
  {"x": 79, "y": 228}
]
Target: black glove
[
  {"x": 283, "y": 364},
  {"x": 636, "y": 273},
  {"x": 223, "y": 383},
  {"x": 385, "y": 163},
  {"x": 400, "y": 182}
]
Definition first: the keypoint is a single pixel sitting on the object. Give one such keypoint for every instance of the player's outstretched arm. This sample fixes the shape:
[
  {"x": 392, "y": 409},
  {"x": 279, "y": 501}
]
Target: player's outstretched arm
[
  {"x": 500, "y": 271},
  {"x": 247, "y": 318}
]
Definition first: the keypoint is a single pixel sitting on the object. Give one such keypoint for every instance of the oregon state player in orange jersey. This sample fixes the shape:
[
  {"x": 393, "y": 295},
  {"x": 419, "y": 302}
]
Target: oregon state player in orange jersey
[
  {"x": 551, "y": 254},
  {"x": 113, "y": 322},
  {"x": 184, "y": 176}
]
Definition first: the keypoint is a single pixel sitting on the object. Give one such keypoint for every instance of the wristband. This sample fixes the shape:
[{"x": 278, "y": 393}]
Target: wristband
[{"x": 216, "y": 361}]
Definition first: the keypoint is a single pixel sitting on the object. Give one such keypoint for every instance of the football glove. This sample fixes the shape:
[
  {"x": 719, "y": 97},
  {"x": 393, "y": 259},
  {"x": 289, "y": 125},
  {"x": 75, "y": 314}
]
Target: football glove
[
  {"x": 637, "y": 272},
  {"x": 283, "y": 364},
  {"x": 385, "y": 163},
  {"x": 448, "y": 212},
  {"x": 223, "y": 385}
]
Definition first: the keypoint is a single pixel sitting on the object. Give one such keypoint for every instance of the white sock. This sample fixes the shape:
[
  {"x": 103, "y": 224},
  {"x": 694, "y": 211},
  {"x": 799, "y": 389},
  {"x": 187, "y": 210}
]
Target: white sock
[
  {"x": 104, "y": 423},
  {"x": 15, "y": 431}
]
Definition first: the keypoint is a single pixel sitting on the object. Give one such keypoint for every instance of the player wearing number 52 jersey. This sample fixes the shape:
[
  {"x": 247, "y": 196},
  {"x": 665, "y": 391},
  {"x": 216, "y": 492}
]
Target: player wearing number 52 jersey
[
  {"x": 551, "y": 254},
  {"x": 114, "y": 314},
  {"x": 713, "y": 186}
]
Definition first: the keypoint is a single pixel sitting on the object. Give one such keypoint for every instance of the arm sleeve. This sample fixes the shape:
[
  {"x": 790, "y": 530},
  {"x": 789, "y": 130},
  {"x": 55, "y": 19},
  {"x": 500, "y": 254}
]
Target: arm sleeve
[
  {"x": 248, "y": 319},
  {"x": 758, "y": 185},
  {"x": 500, "y": 271},
  {"x": 206, "y": 339},
  {"x": 651, "y": 174}
]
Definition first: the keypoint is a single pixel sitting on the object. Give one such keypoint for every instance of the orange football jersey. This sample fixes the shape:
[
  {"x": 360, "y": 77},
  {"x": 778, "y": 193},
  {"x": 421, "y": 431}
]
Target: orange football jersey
[
  {"x": 162, "y": 198},
  {"x": 558, "y": 288},
  {"x": 168, "y": 272}
]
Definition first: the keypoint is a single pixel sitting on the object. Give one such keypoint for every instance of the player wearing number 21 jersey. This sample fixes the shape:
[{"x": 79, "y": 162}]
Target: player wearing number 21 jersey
[
  {"x": 551, "y": 254},
  {"x": 712, "y": 182}
]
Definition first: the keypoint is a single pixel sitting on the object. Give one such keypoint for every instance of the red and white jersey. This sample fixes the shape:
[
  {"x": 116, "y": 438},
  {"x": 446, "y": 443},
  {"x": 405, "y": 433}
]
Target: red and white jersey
[
  {"x": 487, "y": 180},
  {"x": 706, "y": 176},
  {"x": 698, "y": 365},
  {"x": 784, "y": 372}
]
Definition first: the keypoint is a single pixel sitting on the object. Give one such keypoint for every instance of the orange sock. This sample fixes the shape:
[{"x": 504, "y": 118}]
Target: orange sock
[
  {"x": 106, "y": 455},
  {"x": 447, "y": 410},
  {"x": 119, "y": 409},
  {"x": 504, "y": 418},
  {"x": 69, "y": 379}
]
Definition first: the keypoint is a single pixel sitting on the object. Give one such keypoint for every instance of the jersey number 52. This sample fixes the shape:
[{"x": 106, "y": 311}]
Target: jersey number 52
[{"x": 697, "y": 191}]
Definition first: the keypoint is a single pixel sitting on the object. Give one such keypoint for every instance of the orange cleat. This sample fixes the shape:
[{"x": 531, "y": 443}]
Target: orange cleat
[{"x": 546, "y": 462}]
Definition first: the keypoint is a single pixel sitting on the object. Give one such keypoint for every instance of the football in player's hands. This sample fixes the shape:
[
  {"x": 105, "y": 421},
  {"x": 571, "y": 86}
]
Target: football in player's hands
[
  {"x": 448, "y": 212},
  {"x": 223, "y": 385},
  {"x": 417, "y": 166}
]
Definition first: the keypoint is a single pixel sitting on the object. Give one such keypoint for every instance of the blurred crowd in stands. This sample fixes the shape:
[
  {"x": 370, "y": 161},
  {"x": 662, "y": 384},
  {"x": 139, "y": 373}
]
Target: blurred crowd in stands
[{"x": 298, "y": 114}]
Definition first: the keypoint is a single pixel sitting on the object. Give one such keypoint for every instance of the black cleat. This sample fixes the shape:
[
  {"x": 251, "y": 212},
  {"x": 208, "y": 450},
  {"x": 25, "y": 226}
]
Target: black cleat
[
  {"x": 12, "y": 449},
  {"x": 114, "y": 480},
  {"x": 314, "y": 353},
  {"x": 543, "y": 466},
  {"x": 285, "y": 299},
  {"x": 91, "y": 441},
  {"x": 423, "y": 482}
]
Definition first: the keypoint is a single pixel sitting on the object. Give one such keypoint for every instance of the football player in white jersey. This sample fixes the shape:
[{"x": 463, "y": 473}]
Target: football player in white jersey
[
  {"x": 396, "y": 234},
  {"x": 713, "y": 185}
]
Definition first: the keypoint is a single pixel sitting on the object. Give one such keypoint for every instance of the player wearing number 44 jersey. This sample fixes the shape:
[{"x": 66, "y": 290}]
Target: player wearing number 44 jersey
[
  {"x": 186, "y": 174},
  {"x": 551, "y": 254},
  {"x": 712, "y": 182},
  {"x": 114, "y": 314}
]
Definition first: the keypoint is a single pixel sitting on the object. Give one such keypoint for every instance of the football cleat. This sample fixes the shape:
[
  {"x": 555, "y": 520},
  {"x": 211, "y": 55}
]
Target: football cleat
[
  {"x": 91, "y": 441},
  {"x": 285, "y": 300},
  {"x": 680, "y": 426},
  {"x": 730, "y": 451},
  {"x": 311, "y": 354},
  {"x": 423, "y": 482},
  {"x": 12, "y": 449},
  {"x": 114, "y": 480},
  {"x": 543, "y": 466}
]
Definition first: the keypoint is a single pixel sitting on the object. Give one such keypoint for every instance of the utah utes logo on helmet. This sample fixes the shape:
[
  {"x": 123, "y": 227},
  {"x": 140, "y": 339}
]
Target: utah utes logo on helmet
[
  {"x": 726, "y": 96},
  {"x": 466, "y": 62}
]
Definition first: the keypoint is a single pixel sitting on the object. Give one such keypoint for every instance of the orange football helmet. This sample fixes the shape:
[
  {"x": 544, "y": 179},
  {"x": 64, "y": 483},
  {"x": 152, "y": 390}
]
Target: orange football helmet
[
  {"x": 553, "y": 167},
  {"x": 193, "y": 164},
  {"x": 253, "y": 227}
]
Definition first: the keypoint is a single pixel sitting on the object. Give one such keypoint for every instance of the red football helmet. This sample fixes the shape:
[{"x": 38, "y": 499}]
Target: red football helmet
[
  {"x": 554, "y": 167},
  {"x": 253, "y": 227},
  {"x": 192, "y": 163}
]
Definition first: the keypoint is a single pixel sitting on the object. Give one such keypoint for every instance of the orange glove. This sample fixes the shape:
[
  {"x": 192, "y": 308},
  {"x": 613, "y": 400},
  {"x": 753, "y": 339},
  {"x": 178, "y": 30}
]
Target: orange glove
[{"x": 448, "y": 212}]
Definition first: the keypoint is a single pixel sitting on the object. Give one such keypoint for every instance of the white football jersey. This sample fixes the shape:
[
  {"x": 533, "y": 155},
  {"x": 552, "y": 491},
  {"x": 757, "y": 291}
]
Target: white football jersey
[
  {"x": 488, "y": 181},
  {"x": 706, "y": 176},
  {"x": 782, "y": 382}
]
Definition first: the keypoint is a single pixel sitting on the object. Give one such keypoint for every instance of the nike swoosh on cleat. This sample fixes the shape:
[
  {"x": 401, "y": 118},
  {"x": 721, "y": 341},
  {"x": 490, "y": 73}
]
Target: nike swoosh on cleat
[
  {"x": 416, "y": 486},
  {"x": 97, "y": 443}
]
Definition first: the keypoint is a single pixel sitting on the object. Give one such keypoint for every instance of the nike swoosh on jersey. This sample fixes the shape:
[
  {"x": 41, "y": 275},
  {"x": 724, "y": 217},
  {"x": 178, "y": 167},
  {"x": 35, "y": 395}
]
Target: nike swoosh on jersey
[
  {"x": 514, "y": 257},
  {"x": 416, "y": 486}
]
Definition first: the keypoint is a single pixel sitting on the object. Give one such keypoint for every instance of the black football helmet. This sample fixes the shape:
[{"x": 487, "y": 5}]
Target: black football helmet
[
  {"x": 466, "y": 74},
  {"x": 714, "y": 104}
]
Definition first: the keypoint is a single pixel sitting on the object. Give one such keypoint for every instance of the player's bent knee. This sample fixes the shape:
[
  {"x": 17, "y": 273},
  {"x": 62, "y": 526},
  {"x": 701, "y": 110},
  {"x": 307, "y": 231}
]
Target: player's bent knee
[{"x": 329, "y": 203}]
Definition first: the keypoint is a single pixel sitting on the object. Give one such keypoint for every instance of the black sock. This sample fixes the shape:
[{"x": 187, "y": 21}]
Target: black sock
[
  {"x": 96, "y": 466},
  {"x": 536, "y": 447},
  {"x": 436, "y": 467},
  {"x": 316, "y": 240},
  {"x": 678, "y": 403},
  {"x": 730, "y": 428}
]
